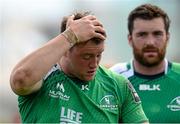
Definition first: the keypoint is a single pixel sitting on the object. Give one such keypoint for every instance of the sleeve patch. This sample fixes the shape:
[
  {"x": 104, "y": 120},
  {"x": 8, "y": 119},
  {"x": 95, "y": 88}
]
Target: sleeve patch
[{"x": 134, "y": 93}]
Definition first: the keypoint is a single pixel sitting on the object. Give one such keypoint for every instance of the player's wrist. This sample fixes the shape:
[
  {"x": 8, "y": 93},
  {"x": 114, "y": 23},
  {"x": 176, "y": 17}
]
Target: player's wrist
[{"x": 70, "y": 36}]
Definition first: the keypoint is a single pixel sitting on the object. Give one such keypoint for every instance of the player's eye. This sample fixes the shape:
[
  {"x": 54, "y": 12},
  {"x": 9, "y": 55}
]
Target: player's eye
[
  {"x": 87, "y": 57},
  {"x": 141, "y": 34},
  {"x": 158, "y": 33}
]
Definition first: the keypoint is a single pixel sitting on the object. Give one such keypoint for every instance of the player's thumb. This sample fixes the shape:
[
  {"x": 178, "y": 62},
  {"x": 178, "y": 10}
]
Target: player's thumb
[{"x": 70, "y": 20}]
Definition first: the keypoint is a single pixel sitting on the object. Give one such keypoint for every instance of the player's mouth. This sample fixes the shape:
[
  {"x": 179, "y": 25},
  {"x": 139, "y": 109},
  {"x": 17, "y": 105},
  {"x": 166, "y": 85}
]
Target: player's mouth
[
  {"x": 91, "y": 73},
  {"x": 150, "y": 51}
]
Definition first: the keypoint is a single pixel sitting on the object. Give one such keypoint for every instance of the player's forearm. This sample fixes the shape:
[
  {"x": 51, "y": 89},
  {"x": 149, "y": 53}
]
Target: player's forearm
[{"x": 33, "y": 67}]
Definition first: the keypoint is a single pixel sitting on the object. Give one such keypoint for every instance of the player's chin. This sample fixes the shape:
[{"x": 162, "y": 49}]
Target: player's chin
[
  {"x": 89, "y": 77},
  {"x": 151, "y": 62},
  {"x": 151, "y": 57}
]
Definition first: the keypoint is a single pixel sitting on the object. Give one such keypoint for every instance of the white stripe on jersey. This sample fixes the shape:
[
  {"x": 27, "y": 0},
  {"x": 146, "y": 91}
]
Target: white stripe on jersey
[
  {"x": 54, "y": 68},
  {"x": 122, "y": 69}
]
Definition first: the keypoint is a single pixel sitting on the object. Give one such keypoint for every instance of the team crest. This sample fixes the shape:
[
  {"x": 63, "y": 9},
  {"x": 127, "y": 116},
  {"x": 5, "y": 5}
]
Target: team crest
[
  {"x": 109, "y": 102},
  {"x": 174, "y": 105}
]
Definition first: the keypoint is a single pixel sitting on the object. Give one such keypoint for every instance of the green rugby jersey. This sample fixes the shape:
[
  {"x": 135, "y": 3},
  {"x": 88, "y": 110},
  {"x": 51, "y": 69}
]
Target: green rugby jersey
[
  {"x": 160, "y": 94},
  {"x": 107, "y": 99}
]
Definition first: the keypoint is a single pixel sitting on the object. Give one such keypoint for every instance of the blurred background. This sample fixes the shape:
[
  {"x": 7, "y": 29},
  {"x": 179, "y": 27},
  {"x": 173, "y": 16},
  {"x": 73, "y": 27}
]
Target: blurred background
[{"x": 26, "y": 25}]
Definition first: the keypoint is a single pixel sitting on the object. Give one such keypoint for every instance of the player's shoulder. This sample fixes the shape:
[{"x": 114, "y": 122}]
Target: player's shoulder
[
  {"x": 119, "y": 67},
  {"x": 125, "y": 69},
  {"x": 175, "y": 67},
  {"x": 174, "y": 71},
  {"x": 122, "y": 84},
  {"x": 54, "y": 69},
  {"x": 107, "y": 73}
]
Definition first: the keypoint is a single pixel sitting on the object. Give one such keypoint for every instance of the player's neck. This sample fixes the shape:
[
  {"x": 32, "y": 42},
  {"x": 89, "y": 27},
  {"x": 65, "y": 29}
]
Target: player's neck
[
  {"x": 149, "y": 70},
  {"x": 64, "y": 67}
]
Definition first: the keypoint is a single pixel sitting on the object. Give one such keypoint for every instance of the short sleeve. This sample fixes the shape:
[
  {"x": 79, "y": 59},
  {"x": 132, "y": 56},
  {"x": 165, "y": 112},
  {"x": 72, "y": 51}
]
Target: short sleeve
[{"x": 132, "y": 111}]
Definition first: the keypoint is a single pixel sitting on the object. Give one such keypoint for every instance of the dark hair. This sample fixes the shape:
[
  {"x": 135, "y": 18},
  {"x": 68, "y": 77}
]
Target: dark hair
[
  {"x": 147, "y": 12},
  {"x": 78, "y": 15}
]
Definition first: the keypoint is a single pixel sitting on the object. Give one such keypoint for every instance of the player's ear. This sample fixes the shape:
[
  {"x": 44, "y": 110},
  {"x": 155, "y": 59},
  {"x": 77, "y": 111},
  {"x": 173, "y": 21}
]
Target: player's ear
[
  {"x": 130, "y": 39},
  {"x": 66, "y": 53}
]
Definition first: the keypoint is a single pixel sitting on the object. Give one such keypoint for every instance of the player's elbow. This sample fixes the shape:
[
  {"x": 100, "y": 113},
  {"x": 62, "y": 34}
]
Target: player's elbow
[{"x": 18, "y": 81}]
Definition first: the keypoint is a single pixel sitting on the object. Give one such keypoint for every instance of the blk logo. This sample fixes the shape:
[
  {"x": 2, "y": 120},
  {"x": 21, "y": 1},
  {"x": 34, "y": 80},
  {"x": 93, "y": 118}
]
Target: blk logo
[{"x": 154, "y": 87}]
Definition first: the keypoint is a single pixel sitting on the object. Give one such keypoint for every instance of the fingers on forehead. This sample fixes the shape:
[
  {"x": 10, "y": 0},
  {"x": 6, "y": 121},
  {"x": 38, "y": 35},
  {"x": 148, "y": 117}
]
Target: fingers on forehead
[
  {"x": 90, "y": 17},
  {"x": 97, "y": 23},
  {"x": 70, "y": 19}
]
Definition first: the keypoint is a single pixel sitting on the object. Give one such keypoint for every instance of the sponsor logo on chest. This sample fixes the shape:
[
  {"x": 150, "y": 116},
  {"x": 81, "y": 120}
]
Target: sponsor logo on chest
[
  {"x": 70, "y": 116},
  {"x": 59, "y": 92},
  {"x": 149, "y": 87}
]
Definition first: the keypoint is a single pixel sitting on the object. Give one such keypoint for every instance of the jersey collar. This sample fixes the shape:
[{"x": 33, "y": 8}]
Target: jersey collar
[{"x": 167, "y": 64}]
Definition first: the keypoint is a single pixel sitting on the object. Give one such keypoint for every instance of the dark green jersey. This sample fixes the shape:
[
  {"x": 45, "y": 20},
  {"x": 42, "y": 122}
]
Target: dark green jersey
[
  {"x": 160, "y": 94},
  {"x": 107, "y": 99}
]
